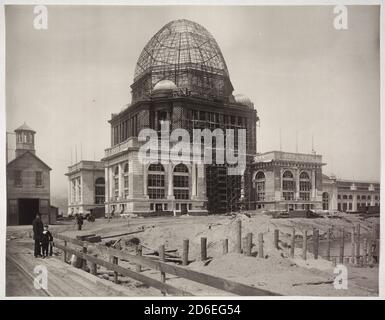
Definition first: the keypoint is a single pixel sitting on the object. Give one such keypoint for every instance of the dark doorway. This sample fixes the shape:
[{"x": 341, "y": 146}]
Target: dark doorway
[
  {"x": 183, "y": 208},
  {"x": 28, "y": 208}
]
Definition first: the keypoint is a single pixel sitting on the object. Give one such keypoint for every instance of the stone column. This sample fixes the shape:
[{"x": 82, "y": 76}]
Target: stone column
[
  {"x": 372, "y": 201},
  {"x": 81, "y": 193},
  {"x": 121, "y": 181},
  {"x": 170, "y": 193},
  {"x": 313, "y": 188},
  {"x": 281, "y": 181},
  {"x": 145, "y": 180},
  {"x": 69, "y": 191},
  {"x": 106, "y": 189},
  {"x": 193, "y": 180},
  {"x": 354, "y": 202},
  {"x": 76, "y": 190},
  {"x": 297, "y": 184},
  {"x": 130, "y": 179},
  {"x": 110, "y": 169}
]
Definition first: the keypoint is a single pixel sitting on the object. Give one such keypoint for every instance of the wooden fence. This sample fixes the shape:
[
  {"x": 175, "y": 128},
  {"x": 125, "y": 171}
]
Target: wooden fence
[{"x": 161, "y": 266}]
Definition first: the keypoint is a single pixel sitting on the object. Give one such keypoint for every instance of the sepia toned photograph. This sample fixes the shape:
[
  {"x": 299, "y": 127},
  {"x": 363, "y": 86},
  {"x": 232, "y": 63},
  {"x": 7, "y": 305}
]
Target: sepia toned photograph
[{"x": 180, "y": 150}]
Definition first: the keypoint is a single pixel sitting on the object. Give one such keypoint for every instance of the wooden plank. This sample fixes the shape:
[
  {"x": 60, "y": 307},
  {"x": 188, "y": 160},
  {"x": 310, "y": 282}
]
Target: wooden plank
[
  {"x": 238, "y": 240},
  {"x": 203, "y": 278},
  {"x": 122, "y": 234},
  {"x": 304, "y": 245},
  {"x": 225, "y": 246},
  {"x": 161, "y": 257},
  {"x": 126, "y": 272},
  {"x": 185, "y": 252},
  {"x": 292, "y": 246}
]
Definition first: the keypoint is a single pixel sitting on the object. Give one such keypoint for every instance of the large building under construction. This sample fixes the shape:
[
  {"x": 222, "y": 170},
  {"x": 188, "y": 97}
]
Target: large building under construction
[{"x": 181, "y": 77}]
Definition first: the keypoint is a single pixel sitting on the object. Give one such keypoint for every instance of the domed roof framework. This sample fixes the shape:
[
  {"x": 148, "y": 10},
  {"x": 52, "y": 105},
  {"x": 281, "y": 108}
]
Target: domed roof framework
[{"x": 187, "y": 54}]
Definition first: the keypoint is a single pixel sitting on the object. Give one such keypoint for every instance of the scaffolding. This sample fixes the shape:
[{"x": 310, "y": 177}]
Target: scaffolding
[{"x": 187, "y": 54}]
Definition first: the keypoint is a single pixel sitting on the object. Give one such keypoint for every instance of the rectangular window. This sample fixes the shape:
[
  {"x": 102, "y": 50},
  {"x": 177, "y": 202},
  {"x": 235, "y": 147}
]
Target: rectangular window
[
  {"x": 17, "y": 178},
  {"x": 38, "y": 179},
  {"x": 181, "y": 194},
  {"x": 288, "y": 195}
]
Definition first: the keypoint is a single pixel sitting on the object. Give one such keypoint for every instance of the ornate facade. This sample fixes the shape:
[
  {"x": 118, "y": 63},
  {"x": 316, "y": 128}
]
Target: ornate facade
[
  {"x": 350, "y": 195},
  {"x": 180, "y": 77},
  {"x": 86, "y": 186},
  {"x": 287, "y": 181}
]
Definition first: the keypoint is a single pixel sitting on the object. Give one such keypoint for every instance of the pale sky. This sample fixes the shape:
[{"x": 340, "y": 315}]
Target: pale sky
[{"x": 305, "y": 77}]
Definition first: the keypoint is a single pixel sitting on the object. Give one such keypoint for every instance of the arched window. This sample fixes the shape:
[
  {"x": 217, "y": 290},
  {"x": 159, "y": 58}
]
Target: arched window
[
  {"x": 325, "y": 201},
  {"x": 155, "y": 181},
  {"x": 304, "y": 186},
  {"x": 260, "y": 180},
  {"x": 345, "y": 197},
  {"x": 99, "y": 190},
  {"x": 181, "y": 182},
  {"x": 288, "y": 185},
  {"x": 350, "y": 197},
  {"x": 125, "y": 172}
]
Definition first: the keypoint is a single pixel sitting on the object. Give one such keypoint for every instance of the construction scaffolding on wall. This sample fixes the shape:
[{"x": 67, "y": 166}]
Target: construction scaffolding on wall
[{"x": 187, "y": 54}]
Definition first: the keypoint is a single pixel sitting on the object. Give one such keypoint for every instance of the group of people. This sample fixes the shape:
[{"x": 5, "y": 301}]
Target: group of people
[{"x": 43, "y": 238}]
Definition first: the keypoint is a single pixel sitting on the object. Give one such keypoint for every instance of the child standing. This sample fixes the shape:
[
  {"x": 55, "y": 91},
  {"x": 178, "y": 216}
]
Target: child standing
[{"x": 46, "y": 239}]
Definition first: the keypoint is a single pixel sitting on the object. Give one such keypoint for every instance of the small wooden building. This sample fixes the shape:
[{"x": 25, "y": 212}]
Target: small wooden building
[{"x": 28, "y": 182}]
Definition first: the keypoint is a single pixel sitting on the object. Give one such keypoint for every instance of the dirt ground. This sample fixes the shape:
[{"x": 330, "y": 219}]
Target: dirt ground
[{"x": 276, "y": 272}]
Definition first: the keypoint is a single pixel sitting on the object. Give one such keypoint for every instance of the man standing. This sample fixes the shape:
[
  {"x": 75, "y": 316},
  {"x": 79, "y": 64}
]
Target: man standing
[{"x": 38, "y": 228}]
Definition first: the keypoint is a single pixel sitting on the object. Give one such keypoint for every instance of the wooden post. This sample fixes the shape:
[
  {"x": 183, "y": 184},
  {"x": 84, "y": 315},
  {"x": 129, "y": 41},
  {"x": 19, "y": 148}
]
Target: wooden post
[
  {"x": 225, "y": 246},
  {"x": 249, "y": 243},
  {"x": 185, "y": 252},
  {"x": 138, "y": 267},
  {"x": 342, "y": 246},
  {"x": 115, "y": 260},
  {"x": 203, "y": 249},
  {"x": 329, "y": 243},
  {"x": 370, "y": 252},
  {"x": 352, "y": 244},
  {"x": 94, "y": 268},
  {"x": 65, "y": 252},
  {"x": 162, "y": 258},
  {"x": 260, "y": 245},
  {"x": 304, "y": 245},
  {"x": 365, "y": 253},
  {"x": 276, "y": 238},
  {"x": 315, "y": 243},
  {"x": 84, "y": 262},
  {"x": 292, "y": 246},
  {"x": 358, "y": 246},
  {"x": 238, "y": 243},
  {"x": 374, "y": 232}
]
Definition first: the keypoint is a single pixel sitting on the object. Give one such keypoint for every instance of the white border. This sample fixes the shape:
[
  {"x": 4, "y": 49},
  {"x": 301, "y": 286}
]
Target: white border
[{"x": 195, "y": 3}]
